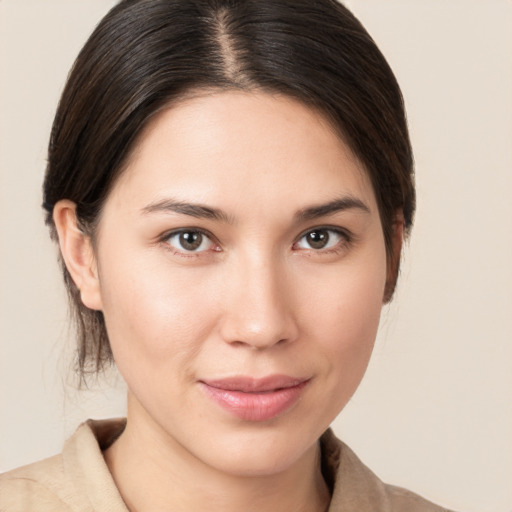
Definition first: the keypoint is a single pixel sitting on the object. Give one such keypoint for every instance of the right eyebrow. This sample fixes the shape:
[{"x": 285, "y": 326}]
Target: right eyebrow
[{"x": 196, "y": 210}]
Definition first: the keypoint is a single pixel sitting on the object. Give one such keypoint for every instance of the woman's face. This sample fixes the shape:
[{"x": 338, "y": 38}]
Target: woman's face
[{"x": 241, "y": 271}]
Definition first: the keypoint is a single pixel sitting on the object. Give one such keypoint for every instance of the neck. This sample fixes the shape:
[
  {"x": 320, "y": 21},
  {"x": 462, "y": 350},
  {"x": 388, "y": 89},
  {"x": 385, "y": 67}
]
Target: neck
[{"x": 153, "y": 472}]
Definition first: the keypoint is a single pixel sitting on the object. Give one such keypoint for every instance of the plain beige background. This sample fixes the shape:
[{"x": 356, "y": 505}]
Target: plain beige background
[{"x": 434, "y": 413}]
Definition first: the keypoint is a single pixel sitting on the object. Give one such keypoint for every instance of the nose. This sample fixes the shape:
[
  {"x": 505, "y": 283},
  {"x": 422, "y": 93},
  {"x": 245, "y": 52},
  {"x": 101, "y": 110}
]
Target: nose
[{"x": 259, "y": 312}]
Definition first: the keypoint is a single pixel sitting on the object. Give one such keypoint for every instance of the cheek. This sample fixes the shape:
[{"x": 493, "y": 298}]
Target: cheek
[
  {"x": 152, "y": 313},
  {"x": 343, "y": 316}
]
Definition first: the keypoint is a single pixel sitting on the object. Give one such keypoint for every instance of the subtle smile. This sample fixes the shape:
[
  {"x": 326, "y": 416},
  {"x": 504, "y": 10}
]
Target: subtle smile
[{"x": 255, "y": 399}]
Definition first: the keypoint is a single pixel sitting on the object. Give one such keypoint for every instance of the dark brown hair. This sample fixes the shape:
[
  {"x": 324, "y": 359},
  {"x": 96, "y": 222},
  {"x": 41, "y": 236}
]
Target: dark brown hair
[{"x": 147, "y": 54}]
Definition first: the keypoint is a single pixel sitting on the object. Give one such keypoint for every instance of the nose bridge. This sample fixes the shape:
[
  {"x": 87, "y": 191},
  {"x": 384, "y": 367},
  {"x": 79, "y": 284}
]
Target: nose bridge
[{"x": 260, "y": 310}]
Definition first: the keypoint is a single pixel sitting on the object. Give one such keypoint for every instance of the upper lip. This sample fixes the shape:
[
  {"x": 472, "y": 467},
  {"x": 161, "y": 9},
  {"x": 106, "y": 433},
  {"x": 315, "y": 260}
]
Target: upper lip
[{"x": 255, "y": 385}]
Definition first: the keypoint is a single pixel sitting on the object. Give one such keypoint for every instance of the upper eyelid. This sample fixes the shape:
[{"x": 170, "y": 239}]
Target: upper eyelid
[
  {"x": 337, "y": 229},
  {"x": 164, "y": 239},
  {"x": 177, "y": 231},
  {"x": 347, "y": 239}
]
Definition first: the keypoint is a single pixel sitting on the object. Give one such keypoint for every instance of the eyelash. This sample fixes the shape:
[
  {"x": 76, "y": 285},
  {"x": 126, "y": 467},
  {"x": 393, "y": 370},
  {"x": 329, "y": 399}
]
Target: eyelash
[
  {"x": 165, "y": 239},
  {"x": 345, "y": 239}
]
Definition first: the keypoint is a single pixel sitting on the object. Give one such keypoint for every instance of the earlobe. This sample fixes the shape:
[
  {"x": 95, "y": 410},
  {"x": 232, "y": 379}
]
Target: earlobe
[
  {"x": 78, "y": 254},
  {"x": 393, "y": 264}
]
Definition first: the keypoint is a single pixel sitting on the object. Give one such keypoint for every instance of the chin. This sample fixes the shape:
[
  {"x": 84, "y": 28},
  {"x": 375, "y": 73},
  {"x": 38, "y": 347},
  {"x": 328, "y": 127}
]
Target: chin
[
  {"x": 257, "y": 450},
  {"x": 258, "y": 462}
]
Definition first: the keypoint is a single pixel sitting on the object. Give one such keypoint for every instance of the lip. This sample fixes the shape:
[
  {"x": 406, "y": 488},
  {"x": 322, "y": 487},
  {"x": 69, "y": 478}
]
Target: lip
[{"x": 255, "y": 399}]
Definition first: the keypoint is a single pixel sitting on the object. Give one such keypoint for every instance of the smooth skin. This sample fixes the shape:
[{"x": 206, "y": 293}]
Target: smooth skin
[{"x": 243, "y": 239}]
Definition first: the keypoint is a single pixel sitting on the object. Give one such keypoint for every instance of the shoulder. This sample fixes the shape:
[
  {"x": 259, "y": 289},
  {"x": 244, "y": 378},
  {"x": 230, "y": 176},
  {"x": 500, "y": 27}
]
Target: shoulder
[
  {"x": 76, "y": 480},
  {"x": 40, "y": 486},
  {"x": 402, "y": 500},
  {"x": 355, "y": 488}
]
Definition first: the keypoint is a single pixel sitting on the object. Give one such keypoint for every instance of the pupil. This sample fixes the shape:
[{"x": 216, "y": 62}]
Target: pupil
[
  {"x": 190, "y": 240},
  {"x": 318, "y": 239}
]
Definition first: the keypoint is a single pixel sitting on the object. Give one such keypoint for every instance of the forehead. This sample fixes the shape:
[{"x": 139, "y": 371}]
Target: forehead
[{"x": 229, "y": 145}]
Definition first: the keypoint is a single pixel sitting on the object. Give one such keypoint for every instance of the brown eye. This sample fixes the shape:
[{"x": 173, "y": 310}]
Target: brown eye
[
  {"x": 189, "y": 241},
  {"x": 320, "y": 238}
]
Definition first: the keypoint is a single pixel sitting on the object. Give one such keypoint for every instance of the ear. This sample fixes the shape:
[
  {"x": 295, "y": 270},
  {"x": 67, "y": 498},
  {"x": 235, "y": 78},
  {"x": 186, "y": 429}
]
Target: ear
[
  {"x": 393, "y": 263},
  {"x": 78, "y": 254}
]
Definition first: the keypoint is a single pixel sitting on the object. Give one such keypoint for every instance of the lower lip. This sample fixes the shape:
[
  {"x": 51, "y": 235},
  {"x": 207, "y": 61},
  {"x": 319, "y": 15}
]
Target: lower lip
[{"x": 260, "y": 406}]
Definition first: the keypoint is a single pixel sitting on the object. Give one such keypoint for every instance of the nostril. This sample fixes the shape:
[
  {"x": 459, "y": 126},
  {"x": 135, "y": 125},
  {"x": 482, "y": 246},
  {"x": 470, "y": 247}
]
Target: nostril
[
  {"x": 257, "y": 345},
  {"x": 279, "y": 342},
  {"x": 237, "y": 343}
]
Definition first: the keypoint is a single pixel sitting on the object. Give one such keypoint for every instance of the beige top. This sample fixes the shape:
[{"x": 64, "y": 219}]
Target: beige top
[{"x": 78, "y": 480}]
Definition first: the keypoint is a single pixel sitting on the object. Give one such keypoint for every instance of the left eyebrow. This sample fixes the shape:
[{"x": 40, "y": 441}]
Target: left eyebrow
[{"x": 338, "y": 205}]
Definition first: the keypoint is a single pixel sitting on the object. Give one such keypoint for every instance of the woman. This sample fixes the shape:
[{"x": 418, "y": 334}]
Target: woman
[{"x": 230, "y": 183}]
